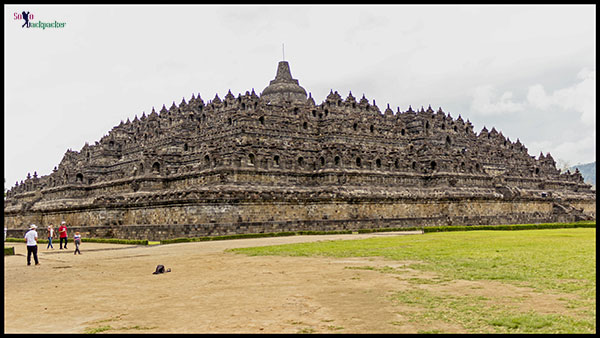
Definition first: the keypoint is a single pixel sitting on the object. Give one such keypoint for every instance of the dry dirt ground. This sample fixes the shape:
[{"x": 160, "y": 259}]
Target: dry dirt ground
[{"x": 111, "y": 289}]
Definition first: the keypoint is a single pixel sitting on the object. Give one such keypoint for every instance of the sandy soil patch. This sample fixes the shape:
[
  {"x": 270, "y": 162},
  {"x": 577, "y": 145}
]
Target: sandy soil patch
[{"x": 111, "y": 287}]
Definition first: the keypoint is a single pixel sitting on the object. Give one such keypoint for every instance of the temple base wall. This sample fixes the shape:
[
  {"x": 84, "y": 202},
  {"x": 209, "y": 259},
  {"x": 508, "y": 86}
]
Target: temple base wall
[{"x": 213, "y": 219}]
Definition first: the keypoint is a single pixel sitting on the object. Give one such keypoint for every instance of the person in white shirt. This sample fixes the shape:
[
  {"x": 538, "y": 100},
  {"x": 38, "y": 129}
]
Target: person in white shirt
[{"x": 31, "y": 239}]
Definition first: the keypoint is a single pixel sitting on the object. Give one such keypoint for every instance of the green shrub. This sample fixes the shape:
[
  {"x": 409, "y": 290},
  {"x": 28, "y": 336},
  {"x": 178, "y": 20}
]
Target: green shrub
[
  {"x": 116, "y": 241},
  {"x": 582, "y": 224},
  {"x": 366, "y": 231},
  {"x": 9, "y": 250},
  {"x": 225, "y": 237}
]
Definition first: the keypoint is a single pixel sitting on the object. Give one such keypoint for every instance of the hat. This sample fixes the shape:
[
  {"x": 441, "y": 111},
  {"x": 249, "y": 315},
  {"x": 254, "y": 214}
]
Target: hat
[
  {"x": 33, "y": 226},
  {"x": 63, "y": 222}
]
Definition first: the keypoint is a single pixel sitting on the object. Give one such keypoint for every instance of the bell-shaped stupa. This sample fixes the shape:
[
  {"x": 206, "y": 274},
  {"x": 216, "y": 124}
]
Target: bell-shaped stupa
[{"x": 283, "y": 87}]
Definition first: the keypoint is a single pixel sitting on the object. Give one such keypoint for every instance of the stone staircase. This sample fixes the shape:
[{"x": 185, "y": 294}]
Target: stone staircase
[{"x": 563, "y": 209}]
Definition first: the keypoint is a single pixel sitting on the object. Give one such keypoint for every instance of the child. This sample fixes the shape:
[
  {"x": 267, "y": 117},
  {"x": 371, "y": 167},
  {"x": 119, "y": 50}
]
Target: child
[{"x": 77, "y": 240}]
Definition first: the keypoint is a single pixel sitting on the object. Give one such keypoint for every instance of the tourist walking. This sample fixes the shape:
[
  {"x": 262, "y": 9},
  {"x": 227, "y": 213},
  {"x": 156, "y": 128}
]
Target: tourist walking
[
  {"x": 50, "y": 236},
  {"x": 62, "y": 233},
  {"x": 77, "y": 241},
  {"x": 31, "y": 239}
]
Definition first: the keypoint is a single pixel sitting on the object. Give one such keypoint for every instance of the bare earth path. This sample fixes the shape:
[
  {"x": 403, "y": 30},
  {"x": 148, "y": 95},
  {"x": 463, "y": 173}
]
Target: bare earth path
[{"x": 112, "y": 288}]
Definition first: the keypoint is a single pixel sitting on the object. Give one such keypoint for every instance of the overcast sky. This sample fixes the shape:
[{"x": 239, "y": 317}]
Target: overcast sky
[{"x": 528, "y": 71}]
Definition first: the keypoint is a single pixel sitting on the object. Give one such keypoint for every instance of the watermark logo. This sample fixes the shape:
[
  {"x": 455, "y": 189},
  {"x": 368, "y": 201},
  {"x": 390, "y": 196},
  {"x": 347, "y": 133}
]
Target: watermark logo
[{"x": 30, "y": 23}]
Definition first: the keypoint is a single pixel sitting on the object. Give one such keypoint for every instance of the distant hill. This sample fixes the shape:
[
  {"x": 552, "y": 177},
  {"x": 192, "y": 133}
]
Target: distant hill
[{"x": 588, "y": 171}]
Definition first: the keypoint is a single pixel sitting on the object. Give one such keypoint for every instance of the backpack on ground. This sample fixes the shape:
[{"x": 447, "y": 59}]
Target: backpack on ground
[{"x": 161, "y": 269}]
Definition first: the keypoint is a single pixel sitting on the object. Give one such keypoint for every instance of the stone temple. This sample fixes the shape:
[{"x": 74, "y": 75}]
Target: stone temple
[{"x": 279, "y": 162}]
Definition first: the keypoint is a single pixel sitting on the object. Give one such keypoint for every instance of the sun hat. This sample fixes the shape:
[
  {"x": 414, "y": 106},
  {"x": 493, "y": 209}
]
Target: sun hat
[
  {"x": 33, "y": 226},
  {"x": 63, "y": 222}
]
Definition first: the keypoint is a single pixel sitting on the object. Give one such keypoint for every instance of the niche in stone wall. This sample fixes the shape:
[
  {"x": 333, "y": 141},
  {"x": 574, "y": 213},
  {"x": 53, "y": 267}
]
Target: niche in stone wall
[
  {"x": 358, "y": 162},
  {"x": 156, "y": 168},
  {"x": 336, "y": 160},
  {"x": 378, "y": 163},
  {"x": 251, "y": 159},
  {"x": 276, "y": 160},
  {"x": 79, "y": 178},
  {"x": 301, "y": 161}
]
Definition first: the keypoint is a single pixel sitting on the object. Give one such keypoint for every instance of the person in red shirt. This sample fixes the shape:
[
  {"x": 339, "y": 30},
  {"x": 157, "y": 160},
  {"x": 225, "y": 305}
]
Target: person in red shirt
[{"x": 62, "y": 232}]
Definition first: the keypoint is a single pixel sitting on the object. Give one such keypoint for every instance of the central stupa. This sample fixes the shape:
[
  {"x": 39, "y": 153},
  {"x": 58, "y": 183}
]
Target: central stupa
[{"x": 283, "y": 87}]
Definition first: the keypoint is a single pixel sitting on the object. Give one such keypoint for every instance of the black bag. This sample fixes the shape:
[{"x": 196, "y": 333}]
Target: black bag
[{"x": 160, "y": 269}]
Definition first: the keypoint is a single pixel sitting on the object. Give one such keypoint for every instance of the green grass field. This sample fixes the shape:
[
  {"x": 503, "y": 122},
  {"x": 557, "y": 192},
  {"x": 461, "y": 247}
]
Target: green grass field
[{"x": 552, "y": 261}]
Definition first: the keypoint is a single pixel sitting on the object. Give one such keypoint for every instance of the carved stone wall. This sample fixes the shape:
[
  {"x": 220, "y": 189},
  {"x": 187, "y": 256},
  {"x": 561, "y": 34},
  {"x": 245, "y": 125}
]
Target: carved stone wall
[{"x": 157, "y": 223}]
